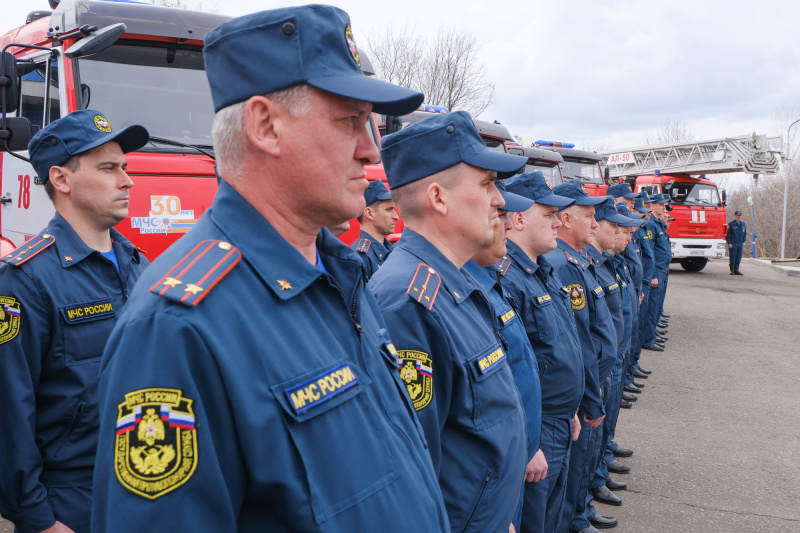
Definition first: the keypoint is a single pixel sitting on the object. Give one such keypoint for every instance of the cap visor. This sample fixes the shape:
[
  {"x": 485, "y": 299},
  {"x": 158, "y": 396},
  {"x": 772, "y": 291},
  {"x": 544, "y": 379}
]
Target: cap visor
[
  {"x": 554, "y": 200},
  {"x": 506, "y": 165},
  {"x": 616, "y": 218},
  {"x": 643, "y": 209},
  {"x": 515, "y": 202},
  {"x": 591, "y": 200},
  {"x": 632, "y": 223},
  {"x": 129, "y": 139},
  {"x": 386, "y": 98},
  {"x": 629, "y": 196}
]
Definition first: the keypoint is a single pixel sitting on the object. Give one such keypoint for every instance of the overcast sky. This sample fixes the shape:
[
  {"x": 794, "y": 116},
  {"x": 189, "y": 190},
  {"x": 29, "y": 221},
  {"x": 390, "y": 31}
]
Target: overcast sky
[{"x": 604, "y": 72}]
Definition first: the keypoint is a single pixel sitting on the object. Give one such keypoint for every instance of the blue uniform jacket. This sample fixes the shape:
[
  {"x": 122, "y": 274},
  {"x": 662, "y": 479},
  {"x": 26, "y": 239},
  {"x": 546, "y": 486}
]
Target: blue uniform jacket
[
  {"x": 546, "y": 312},
  {"x": 737, "y": 232},
  {"x": 603, "y": 269},
  {"x": 593, "y": 322},
  {"x": 630, "y": 298},
  {"x": 371, "y": 251},
  {"x": 520, "y": 354},
  {"x": 633, "y": 258},
  {"x": 280, "y": 408},
  {"x": 662, "y": 252},
  {"x": 648, "y": 232},
  {"x": 459, "y": 377},
  {"x": 58, "y": 303}
]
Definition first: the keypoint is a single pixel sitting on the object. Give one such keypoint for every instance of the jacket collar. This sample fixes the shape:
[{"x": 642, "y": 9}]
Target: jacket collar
[
  {"x": 521, "y": 258},
  {"x": 72, "y": 250}
]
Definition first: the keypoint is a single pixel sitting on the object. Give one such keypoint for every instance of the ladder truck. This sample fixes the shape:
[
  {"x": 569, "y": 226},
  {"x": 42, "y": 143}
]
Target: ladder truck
[{"x": 679, "y": 170}]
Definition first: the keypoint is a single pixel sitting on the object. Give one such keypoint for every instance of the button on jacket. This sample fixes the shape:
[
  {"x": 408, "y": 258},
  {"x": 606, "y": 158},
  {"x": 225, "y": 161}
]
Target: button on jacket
[
  {"x": 58, "y": 305},
  {"x": 546, "y": 312},
  {"x": 272, "y": 404},
  {"x": 458, "y": 375}
]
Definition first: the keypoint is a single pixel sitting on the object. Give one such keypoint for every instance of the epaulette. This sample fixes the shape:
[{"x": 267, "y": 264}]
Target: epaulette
[
  {"x": 425, "y": 286},
  {"x": 28, "y": 250},
  {"x": 572, "y": 259},
  {"x": 363, "y": 245},
  {"x": 504, "y": 265},
  {"x": 198, "y": 272}
]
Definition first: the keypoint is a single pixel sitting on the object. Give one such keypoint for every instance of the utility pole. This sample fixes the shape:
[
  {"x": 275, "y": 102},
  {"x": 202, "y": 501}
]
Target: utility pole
[{"x": 786, "y": 188}]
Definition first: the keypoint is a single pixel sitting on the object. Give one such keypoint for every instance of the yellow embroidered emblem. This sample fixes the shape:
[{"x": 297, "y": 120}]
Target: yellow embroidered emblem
[
  {"x": 416, "y": 371},
  {"x": 576, "y": 296},
  {"x": 156, "y": 442},
  {"x": 351, "y": 44},
  {"x": 67, "y": 258},
  {"x": 285, "y": 286},
  {"x": 102, "y": 124},
  {"x": 10, "y": 318}
]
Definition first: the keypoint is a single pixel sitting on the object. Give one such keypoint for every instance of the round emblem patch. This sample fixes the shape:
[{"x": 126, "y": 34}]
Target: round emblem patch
[
  {"x": 351, "y": 44},
  {"x": 102, "y": 124},
  {"x": 155, "y": 450},
  {"x": 10, "y": 317},
  {"x": 583, "y": 188},
  {"x": 577, "y": 297},
  {"x": 416, "y": 371}
]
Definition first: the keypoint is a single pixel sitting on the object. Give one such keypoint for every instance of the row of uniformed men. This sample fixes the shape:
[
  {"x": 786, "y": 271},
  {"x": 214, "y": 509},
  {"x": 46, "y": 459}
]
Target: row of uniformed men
[
  {"x": 553, "y": 252},
  {"x": 252, "y": 381}
]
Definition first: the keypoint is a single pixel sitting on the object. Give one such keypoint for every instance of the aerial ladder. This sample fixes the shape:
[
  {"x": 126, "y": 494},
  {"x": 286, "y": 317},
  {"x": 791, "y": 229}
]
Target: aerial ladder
[{"x": 679, "y": 169}]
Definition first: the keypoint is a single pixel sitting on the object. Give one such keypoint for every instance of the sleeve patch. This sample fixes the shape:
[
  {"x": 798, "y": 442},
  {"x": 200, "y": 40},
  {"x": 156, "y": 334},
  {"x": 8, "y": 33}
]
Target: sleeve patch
[
  {"x": 577, "y": 296},
  {"x": 10, "y": 318},
  {"x": 425, "y": 286},
  {"x": 28, "y": 250},
  {"x": 416, "y": 371},
  {"x": 198, "y": 272},
  {"x": 155, "y": 449}
]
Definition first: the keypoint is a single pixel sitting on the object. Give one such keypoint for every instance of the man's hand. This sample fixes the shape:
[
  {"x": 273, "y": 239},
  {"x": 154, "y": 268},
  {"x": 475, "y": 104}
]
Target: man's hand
[
  {"x": 58, "y": 527},
  {"x": 594, "y": 423},
  {"x": 576, "y": 427},
  {"x": 537, "y": 468},
  {"x": 730, "y": 246},
  {"x": 641, "y": 298},
  {"x": 654, "y": 282},
  {"x": 511, "y": 528}
]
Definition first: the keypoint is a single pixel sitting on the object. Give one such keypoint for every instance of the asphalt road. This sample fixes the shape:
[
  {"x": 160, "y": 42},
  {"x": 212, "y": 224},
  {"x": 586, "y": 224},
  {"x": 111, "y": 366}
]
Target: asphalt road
[{"x": 716, "y": 433}]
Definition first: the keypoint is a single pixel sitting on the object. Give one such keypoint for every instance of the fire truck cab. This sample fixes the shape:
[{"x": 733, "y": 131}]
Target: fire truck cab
[
  {"x": 547, "y": 162},
  {"x": 580, "y": 164}
]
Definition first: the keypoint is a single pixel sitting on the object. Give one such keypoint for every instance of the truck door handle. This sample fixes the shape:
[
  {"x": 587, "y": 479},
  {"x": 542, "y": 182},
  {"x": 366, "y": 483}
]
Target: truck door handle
[{"x": 5, "y": 200}]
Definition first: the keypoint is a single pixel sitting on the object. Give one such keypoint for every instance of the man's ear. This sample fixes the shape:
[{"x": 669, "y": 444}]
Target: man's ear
[
  {"x": 437, "y": 198},
  {"x": 60, "y": 178},
  {"x": 566, "y": 219},
  {"x": 265, "y": 124},
  {"x": 517, "y": 221},
  {"x": 369, "y": 213}
]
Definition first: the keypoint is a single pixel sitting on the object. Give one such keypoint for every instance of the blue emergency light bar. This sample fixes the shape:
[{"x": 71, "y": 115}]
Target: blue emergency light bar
[
  {"x": 433, "y": 109},
  {"x": 554, "y": 143},
  {"x": 657, "y": 172}
]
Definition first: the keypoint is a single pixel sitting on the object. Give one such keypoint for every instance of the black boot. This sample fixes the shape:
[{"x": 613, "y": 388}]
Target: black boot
[
  {"x": 732, "y": 272},
  {"x": 736, "y": 270}
]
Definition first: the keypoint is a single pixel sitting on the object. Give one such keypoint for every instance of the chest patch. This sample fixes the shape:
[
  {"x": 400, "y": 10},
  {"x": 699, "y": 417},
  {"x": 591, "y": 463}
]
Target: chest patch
[
  {"x": 416, "y": 371},
  {"x": 86, "y": 312},
  {"x": 543, "y": 298},
  {"x": 321, "y": 388},
  {"x": 155, "y": 450},
  {"x": 506, "y": 317},
  {"x": 489, "y": 361}
]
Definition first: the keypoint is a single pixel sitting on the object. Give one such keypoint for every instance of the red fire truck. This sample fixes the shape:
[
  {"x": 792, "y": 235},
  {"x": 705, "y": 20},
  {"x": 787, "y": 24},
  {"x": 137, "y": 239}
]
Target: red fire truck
[
  {"x": 580, "y": 164},
  {"x": 698, "y": 232},
  {"x": 139, "y": 64}
]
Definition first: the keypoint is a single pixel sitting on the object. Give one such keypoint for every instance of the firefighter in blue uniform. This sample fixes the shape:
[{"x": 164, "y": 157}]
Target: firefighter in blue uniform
[
  {"x": 634, "y": 256},
  {"x": 736, "y": 237},
  {"x": 596, "y": 334},
  {"x": 484, "y": 267},
  {"x": 449, "y": 353},
  {"x": 60, "y": 295},
  {"x": 251, "y": 384},
  {"x": 544, "y": 307},
  {"x": 377, "y": 221},
  {"x": 661, "y": 261}
]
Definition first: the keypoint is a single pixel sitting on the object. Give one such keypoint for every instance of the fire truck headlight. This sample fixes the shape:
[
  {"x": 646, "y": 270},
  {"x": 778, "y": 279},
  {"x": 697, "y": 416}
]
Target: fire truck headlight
[
  {"x": 673, "y": 244},
  {"x": 720, "y": 245}
]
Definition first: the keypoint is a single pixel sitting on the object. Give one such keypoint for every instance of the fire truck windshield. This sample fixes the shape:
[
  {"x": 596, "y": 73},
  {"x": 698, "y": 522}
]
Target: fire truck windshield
[
  {"x": 585, "y": 170},
  {"x": 552, "y": 174},
  {"x": 694, "y": 194},
  {"x": 160, "y": 85}
]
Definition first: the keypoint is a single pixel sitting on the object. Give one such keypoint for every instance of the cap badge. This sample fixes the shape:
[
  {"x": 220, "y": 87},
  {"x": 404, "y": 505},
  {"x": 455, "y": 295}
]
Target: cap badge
[
  {"x": 102, "y": 124},
  {"x": 583, "y": 188},
  {"x": 351, "y": 44}
]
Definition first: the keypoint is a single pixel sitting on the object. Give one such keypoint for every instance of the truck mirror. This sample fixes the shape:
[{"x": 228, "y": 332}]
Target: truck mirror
[
  {"x": 607, "y": 175},
  {"x": 15, "y": 133},
  {"x": 8, "y": 83},
  {"x": 97, "y": 42},
  {"x": 667, "y": 186},
  {"x": 724, "y": 197},
  {"x": 393, "y": 125}
]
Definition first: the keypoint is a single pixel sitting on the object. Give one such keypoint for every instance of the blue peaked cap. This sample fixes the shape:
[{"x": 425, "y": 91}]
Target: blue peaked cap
[
  {"x": 638, "y": 204},
  {"x": 438, "y": 143},
  {"x": 513, "y": 202},
  {"x": 76, "y": 133},
  {"x": 621, "y": 190},
  {"x": 635, "y": 218},
  {"x": 607, "y": 211},
  {"x": 376, "y": 191},
  {"x": 277, "y": 49},
  {"x": 533, "y": 185},
  {"x": 574, "y": 189}
]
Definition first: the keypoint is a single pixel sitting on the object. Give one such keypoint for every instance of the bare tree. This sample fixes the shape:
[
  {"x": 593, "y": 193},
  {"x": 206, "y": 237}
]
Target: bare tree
[
  {"x": 397, "y": 55},
  {"x": 595, "y": 145},
  {"x": 672, "y": 131},
  {"x": 445, "y": 67}
]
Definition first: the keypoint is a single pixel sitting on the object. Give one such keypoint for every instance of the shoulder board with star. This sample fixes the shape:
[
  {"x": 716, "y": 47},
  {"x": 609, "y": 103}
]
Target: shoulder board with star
[
  {"x": 572, "y": 259},
  {"x": 28, "y": 250},
  {"x": 363, "y": 244},
  {"x": 425, "y": 286},
  {"x": 504, "y": 265},
  {"x": 198, "y": 272}
]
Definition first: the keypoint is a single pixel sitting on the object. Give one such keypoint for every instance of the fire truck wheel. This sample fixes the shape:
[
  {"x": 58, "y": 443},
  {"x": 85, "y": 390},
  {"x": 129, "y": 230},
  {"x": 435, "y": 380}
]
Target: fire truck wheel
[{"x": 694, "y": 264}]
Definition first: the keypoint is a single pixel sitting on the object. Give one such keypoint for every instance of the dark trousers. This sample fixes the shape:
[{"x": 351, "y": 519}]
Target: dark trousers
[
  {"x": 72, "y": 506},
  {"x": 736, "y": 253}
]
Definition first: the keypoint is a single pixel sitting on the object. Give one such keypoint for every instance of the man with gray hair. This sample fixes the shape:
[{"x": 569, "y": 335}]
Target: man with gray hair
[{"x": 252, "y": 385}]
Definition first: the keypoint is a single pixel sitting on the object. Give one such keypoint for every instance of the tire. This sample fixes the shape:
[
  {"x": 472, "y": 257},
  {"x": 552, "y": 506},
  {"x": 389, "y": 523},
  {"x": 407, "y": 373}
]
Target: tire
[{"x": 694, "y": 264}]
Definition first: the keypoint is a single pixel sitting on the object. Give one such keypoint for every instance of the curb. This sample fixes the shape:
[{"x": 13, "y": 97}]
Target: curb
[{"x": 785, "y": 270}]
